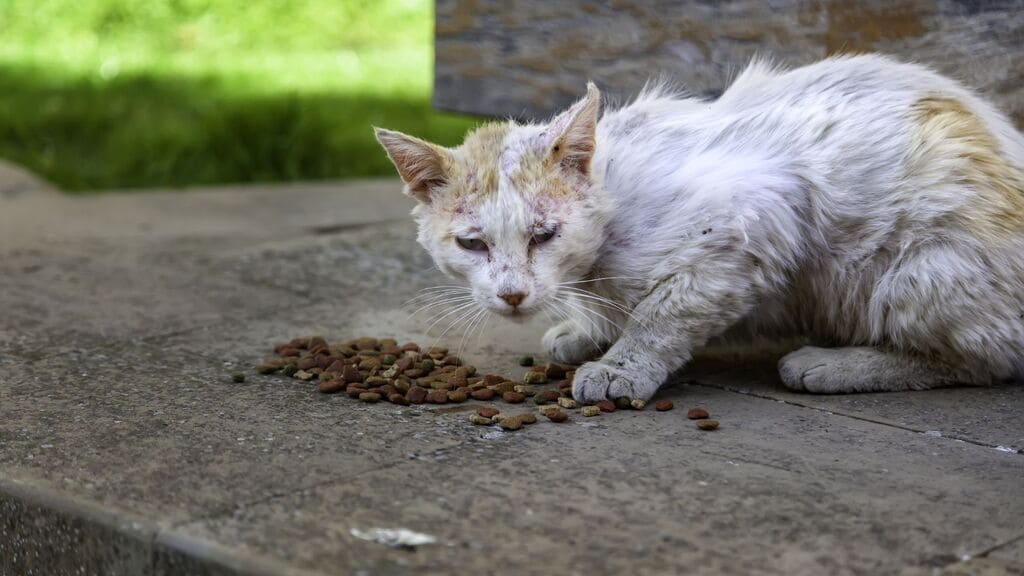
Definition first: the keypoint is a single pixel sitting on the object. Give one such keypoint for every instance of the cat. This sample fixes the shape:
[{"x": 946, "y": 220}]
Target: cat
[{"x": 874, "y": 207}]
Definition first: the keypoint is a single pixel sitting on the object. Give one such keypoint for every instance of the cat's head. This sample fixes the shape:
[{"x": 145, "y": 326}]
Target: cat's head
[{"x": 515, "y": 210}]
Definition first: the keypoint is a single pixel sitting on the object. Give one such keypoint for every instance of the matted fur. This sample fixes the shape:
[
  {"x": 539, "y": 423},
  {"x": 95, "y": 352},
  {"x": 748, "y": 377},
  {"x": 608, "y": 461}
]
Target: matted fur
[{"x": 872, "y": 207}]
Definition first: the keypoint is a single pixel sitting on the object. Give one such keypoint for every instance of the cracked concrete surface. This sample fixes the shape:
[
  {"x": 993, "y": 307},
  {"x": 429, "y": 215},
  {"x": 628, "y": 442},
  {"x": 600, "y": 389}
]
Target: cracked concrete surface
[{"x": 126, "y": 449}]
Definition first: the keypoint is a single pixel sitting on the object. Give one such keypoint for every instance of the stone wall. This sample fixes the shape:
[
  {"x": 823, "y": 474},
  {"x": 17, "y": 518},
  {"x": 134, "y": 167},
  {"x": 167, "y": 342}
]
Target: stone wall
[{"x": 528, "y": 58}]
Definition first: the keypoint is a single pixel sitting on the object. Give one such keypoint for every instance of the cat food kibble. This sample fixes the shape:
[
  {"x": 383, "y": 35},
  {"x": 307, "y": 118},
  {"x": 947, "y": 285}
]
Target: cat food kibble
[
  {"x": 526, "y": 360},
  {"x": 556, "y": 415},
  {"x": 663, "y": 405},
  {"x": 707, "y": 424},
  {"x": 372, "y": 370},
  {"x": 697, "y": 413},
  {"x": 238, "y": 377}
]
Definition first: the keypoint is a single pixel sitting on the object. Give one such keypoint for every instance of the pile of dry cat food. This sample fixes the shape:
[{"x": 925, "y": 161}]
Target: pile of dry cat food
[{"x": 375, "y": 370}]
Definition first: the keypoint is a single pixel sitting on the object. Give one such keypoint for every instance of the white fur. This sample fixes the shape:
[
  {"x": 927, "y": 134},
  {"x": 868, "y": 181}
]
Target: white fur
[{"x": 782, "y": 208}]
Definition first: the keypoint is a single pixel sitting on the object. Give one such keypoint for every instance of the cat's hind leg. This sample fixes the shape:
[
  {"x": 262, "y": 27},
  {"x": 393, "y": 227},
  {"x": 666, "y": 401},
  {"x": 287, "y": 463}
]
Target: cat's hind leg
[{"x": 867, "y": 369}]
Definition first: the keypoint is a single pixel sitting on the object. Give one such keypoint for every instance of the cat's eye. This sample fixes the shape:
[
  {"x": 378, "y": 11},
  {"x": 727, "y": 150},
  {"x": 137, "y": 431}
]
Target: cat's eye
[
  {"x": 472, "y": 244},
  {"x": 542, "y": 237}
]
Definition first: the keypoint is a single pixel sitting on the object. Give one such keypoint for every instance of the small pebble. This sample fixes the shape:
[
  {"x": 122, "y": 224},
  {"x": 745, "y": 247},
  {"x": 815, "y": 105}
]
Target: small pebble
[
  {"x": 707, "y": 424},
  {"x": 663, "y": 405}
]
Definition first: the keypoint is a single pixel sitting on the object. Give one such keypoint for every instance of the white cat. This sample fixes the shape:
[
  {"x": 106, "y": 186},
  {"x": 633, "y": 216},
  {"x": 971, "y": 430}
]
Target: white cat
[{"x": 872, "y": 206}]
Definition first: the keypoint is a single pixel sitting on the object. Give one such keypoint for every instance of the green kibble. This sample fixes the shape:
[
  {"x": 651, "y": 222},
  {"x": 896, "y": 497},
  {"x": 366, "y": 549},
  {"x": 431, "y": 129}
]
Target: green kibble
[
  {"x": 427, "y": 365},
  {"x": 526, "y": 361},
  {"x": 238, "y": 377},
  {"x": 387, "y": 359},
  {"x": 623, "y": 403},
  {"x": 289, "y": 370}
]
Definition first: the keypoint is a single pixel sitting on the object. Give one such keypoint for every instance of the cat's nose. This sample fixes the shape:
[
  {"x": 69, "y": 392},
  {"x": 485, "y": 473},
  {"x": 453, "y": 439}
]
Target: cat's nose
[{"x": 513, "y": 298}]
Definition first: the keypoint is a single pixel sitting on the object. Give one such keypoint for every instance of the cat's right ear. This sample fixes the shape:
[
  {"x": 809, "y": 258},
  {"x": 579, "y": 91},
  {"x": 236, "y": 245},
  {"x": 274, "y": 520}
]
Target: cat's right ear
[{"x": 423, "y": 166}]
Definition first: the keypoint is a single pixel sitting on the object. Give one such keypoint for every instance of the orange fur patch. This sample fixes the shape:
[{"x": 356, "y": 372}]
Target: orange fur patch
[{"x": 951, "y": 139}]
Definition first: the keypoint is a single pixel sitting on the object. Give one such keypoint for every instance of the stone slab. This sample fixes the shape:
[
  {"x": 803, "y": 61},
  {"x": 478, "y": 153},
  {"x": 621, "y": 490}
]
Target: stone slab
[
  {"x": 530, "y": 58},
  {"x": 778, "y": 489}
]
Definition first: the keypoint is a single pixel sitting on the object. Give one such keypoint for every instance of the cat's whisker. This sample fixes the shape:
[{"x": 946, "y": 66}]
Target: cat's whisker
[
  {"x": 603, "y": 278},
  {"x": 473, "y": 324},
  {"x": 444, "y": 302},
  {"x": 569, "y": 318},
  {"x": 446, "y": 314},
  {"x": 579, "y": 306},
  {"x": 457, "y": 321},
  {"x": 600, "y": 299}
]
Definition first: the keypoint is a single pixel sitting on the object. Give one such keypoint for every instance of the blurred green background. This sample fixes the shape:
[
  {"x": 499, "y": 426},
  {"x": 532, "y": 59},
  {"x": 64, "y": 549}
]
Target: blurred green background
[{"x": 98, "y": 94}]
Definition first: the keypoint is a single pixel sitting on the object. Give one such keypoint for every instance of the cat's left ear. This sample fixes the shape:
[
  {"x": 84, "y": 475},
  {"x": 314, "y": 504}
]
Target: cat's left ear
[{"x": 572, "y": 134}]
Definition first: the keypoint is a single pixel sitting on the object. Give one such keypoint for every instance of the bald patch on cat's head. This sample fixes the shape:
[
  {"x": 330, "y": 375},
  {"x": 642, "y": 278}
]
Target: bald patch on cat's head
[{"x": 475, "y": 169}]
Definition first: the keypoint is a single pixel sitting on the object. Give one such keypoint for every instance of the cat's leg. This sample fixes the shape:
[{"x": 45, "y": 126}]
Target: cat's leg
[
  {"x": 678, "y": 315},
  {"x": 581, "y": 337},
  {"x": 866, "y": 369},
  {"x": 569, "y": 343}
]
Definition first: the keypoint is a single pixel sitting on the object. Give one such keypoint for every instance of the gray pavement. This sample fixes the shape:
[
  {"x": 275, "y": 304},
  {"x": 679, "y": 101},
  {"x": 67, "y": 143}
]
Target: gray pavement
[{"x": 126, "y": 449}]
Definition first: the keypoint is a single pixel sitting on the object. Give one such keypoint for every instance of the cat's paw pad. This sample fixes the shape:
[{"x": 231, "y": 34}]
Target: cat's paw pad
[
  {"x": 596, "y": 381},
  {"x": 811, "y": 369},
  {"x": 565, "y": 344}
]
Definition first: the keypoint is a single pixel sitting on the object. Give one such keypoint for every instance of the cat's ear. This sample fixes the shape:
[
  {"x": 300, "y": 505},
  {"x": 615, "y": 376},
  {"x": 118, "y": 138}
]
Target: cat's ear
[
  {"x": 423, "y": 166},
  {"x": 572, "y": 134}
]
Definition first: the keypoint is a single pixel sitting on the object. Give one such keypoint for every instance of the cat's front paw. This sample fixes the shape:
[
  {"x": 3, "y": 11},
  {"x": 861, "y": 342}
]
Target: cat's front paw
[
  {"x": 565, "y": 343},
  {"x": 596, "y": 381}
]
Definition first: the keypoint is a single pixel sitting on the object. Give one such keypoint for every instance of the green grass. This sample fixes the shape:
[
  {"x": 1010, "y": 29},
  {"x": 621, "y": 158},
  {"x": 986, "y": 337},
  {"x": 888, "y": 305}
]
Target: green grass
[{"x": 98, "y": 94}]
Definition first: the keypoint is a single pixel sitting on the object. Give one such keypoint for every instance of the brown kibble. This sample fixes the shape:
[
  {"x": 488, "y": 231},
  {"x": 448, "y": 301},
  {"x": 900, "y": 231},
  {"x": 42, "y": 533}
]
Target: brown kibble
[
  {"x": 550, "y": 395},
  {"x": 370, "y": 363},
  {"x": 335, "y": 366},
  {"x": 567, "y": 403},
  {"x": 441, "y": 385},
  {"x": 269, "y": 367},
  {"x": 554, "y": 371},
  {"x": 353, "y": 391},
  {"x": 316, "y": 342},
  {"x": 411, "y": 347},
  {"x": 350, "y": 374},
  {"x": 416, "y": 395},
  {"x": 707, "y": 424},
  {"x": 663, "y": 405},
  {"x": 437, "y": 397},
  {"x": 479, "y": 420},
  {"x": 487, "y": 411},
  {"x": 556, "y": 415},
  {"x": 511, "y": 423},
  {"x": 369, "y": 397},
  {"x": 606, "y": 406},
  {"x": 525, "y": 390},
  {"x": 482, "y": 394},
  {"x": 397, "y": 398},
  {"x": 458, "y": 381},
  {"x": 403, "y": 364},
  {"x": 513, "y": 397},
  {"x": 492, "y": 379},
  {"x": 457, "y": 396},
  {"x": 535, "y": 378},
  {"x": 331, "y": 386},
  {"x": 452, "y": 361},
  {"x": 589, "y": 411},
  {"x": 697, "y": 413},
  {"x": 504, "y": 387},
  {"x": 528, "y": 418},
  {"x": 290, "y": 351},
  {"x": 306, "y": 362},
  {"x": 366, "y": 343}
]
